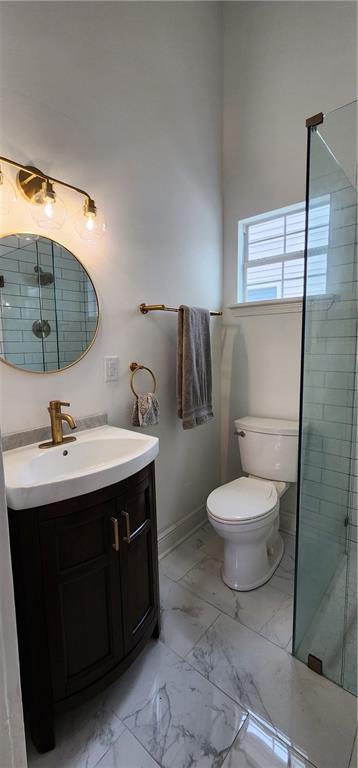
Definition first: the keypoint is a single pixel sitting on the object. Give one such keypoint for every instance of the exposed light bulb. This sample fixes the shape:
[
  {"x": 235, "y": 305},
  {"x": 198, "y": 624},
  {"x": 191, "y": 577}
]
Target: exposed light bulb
[
  {"x": 90, "y": 223},
  {"x": 7, "y": 195},
  {"x": 48, "y": 210}
]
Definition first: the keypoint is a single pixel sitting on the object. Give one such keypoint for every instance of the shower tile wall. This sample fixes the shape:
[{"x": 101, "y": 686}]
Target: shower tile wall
[
  {"x": 328, "y": 503},
  {"x": 70, "y": 294},
  {"x": 76, "y": 305}
]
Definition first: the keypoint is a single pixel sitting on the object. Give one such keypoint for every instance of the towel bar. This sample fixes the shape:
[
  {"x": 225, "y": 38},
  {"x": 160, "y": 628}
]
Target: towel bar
[{"x": 145, "y": 308}]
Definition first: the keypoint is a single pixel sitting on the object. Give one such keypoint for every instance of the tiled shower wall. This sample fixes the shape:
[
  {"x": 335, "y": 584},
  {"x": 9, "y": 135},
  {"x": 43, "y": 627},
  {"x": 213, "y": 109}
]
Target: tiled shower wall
[
  {"x": 68, "y": 304},
  {"x": 330, "y": 370},
  {"x": 328, "y": 502}
]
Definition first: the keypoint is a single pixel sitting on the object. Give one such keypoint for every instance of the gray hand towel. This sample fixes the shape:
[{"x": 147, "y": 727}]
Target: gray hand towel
[
  {"x": 194, "y": 367},
  {"x": 145, "y": 410}
]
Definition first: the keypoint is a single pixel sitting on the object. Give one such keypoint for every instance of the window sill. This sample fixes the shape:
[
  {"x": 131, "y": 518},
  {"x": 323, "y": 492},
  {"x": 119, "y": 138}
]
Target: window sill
[
  {"x": 282, "y": 306},
  {"x": 268, "y": 307}
]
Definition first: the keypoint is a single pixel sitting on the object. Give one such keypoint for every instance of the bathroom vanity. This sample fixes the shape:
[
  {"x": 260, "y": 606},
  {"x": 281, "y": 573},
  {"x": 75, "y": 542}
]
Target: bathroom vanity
[
  {"x": 86, "y": 586},
  {"x": 82, "y": 514}
]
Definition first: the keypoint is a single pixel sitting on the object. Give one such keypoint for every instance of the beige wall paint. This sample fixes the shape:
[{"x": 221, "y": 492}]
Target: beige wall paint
[
  {"x": 283, "y": 61},
  {"x": 124, "y": 99}
]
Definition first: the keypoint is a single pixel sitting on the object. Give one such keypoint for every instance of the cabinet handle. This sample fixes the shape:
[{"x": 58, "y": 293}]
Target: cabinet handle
[
  {"x": 115, "y": 544},
  {"x": 130, "y": 536}
]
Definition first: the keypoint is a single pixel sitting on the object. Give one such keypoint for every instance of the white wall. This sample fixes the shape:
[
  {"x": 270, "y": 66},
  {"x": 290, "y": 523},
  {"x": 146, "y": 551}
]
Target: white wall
[
  {"x": 124, "y": 99},
  {"x": 283, "y": 62}
]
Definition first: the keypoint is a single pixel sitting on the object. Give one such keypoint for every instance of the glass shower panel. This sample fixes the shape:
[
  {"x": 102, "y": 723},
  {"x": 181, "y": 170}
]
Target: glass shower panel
[{"x": 325, "y": 600}]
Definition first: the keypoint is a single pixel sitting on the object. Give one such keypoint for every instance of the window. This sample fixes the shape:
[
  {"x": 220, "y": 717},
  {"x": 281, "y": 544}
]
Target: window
[{"x": 271, "y": 252}]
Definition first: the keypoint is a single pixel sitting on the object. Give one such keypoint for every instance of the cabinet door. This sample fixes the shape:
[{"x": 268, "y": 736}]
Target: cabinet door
[
  {"x": 82, "y": 593},
  {"x": 138, "y": 556}
]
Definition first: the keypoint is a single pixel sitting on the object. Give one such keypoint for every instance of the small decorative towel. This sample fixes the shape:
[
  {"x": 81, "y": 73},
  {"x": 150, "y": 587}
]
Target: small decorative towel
[
  {"x": 194, "y": 367},
  {"x": 145, "y": 410}
]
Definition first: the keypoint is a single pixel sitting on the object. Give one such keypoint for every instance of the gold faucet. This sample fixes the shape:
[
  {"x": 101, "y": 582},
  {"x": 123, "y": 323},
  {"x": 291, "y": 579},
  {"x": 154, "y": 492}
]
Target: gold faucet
[{"x": 57, "y": 417}]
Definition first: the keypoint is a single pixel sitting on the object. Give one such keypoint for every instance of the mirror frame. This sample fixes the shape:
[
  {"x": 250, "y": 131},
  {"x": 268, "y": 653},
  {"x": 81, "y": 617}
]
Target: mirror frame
[{"x": 78, "y": 359}]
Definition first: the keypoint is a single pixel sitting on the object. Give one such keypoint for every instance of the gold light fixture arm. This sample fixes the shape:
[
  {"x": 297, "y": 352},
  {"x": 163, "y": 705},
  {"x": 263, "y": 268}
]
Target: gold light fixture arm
[{"x": 30, "y": 181}]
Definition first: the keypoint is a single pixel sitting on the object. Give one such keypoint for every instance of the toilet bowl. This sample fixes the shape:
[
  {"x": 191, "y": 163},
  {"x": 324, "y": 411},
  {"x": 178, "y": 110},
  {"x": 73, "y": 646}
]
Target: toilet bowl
[{"x": 245, "y": 512}]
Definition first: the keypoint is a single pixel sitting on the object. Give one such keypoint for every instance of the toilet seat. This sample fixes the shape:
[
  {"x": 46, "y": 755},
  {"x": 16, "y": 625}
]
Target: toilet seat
[{"x": 244, "y": 500}]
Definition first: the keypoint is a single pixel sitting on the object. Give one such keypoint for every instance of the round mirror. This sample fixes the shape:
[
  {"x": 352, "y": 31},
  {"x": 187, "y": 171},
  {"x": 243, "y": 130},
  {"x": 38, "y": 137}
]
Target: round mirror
[{"x": 48, "y": 304}]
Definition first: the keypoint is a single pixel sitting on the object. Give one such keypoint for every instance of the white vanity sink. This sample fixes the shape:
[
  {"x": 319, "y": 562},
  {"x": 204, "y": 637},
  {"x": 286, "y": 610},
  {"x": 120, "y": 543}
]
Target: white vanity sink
[{"x": 99, "y": 457}]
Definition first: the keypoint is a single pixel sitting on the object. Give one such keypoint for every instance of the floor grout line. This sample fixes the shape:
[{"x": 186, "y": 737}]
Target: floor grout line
[
  {"x": 125, "y": 728},
  {"x": 245, "y": 711},
  {"x": 351, "y": 755},
  {"x": 250, "y": 713},
  {"x": 281, "y": 736},
  {"x": 289, "y": 598},
  {"x": 230, "y": 616},
  {"x": 184, "y": 659},
  {"x": 214, "y": 684},
  {"x": 143, "y": 747},
  {"x": 189, "y": 569},
  {"x": 201, "y": 636}
]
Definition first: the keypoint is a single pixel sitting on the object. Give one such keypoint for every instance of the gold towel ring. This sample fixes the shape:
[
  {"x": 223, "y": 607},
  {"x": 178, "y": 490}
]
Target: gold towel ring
[{"x": 135, "y": 367}]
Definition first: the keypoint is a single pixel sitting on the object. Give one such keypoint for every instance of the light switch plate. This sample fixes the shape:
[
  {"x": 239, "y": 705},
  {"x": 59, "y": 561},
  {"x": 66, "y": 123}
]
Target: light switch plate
[{"x": 111, "y": 368}]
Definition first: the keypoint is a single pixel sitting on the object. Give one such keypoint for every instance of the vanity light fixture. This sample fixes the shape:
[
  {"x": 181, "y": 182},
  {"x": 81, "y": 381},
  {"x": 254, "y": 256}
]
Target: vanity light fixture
[{"x": 48, "y": 209}]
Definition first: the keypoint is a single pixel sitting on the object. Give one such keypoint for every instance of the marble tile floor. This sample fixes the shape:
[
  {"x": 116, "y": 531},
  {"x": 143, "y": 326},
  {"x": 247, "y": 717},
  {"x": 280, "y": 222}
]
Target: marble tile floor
[
  {"x": 267, "y": 610},
  {"x": 220, "y": 688}
]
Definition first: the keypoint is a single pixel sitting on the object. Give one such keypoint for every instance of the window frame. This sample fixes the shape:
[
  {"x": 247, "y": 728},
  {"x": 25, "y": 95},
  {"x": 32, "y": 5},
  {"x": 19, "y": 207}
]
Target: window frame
[{"x": 243, "y": 251}]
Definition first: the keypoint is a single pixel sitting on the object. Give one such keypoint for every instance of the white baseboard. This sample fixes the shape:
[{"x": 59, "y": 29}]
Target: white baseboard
[{"x": 178, "y": 532}]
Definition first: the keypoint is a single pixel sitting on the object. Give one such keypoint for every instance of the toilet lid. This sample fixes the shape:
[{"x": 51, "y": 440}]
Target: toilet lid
[{"x": 242, "y": 500}]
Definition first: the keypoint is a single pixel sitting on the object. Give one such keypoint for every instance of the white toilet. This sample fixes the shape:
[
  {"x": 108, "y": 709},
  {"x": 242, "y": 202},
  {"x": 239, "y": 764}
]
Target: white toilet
[{"x": 245, "y": 512}]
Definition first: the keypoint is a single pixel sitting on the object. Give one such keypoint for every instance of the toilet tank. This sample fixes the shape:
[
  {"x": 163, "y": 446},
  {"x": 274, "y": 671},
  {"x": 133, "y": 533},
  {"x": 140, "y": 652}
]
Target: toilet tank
[{"x": 268, "y": 447}]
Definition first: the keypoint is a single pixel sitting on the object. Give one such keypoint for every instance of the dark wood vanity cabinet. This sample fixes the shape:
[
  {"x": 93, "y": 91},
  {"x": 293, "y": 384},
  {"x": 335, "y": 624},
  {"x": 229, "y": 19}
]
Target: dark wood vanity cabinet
[{"x": 86, "y": 588}]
